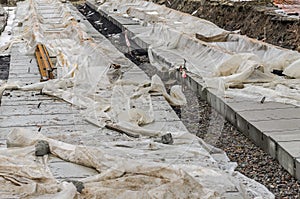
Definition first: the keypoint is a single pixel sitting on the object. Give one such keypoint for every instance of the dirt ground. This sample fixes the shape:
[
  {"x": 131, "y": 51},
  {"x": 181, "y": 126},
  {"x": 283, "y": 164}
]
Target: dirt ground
[{"x": 254, "y": 19}]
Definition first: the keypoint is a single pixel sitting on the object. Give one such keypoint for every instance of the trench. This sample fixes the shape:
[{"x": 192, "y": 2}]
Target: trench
[
  {"x": 203, "y": 121},
  {"x": 4, "y": 67}
]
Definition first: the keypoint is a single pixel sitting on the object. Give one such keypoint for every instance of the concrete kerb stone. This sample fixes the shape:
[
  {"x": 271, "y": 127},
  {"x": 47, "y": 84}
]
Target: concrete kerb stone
[
  {"x": 256, "y": 135},
  {"x": 297, "y": 168},
  {"x": 242, "y": 125},
  {"x": 286, "y": 160},
  {"x": 271, "y": 147}
]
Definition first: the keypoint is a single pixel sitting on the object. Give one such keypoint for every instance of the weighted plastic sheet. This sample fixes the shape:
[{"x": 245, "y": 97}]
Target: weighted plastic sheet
[{"x": 209, "y": 50}]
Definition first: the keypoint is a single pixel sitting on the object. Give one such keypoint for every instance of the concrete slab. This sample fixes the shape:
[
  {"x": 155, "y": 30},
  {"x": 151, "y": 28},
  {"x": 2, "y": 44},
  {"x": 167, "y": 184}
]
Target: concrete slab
[
  {"x": 26, "y": 81},
  {"x": 40, "y": 120},
  {"x": 33, "y": 102},
  {"x": 63, "y": 170},
  {"x": 13, "y": 75},
  {"x": 174, "y": 126},
  {"x": 298, "y": 168},
  {"x": 291, "y": 147},
  {"x": 138, "y": 76},
  {"x": 120, "y": 20},
  {"x": 279, "y": 125},
  {"x": 271, "y": 114},
  {"x": 40, "y": 109},
  {"x": 284, "y": 136},
  {"x": 252, "y": 105},
  {"x": 166, "y": 115},
  {"x": 68, "y": 133},
  {"x": 17, "y": 95}
]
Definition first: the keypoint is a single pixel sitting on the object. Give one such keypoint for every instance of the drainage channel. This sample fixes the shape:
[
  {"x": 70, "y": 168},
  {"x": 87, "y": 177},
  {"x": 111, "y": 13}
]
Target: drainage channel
[
  {"x": 4, "y": 67},
  {"x": 204, "y": 121}
]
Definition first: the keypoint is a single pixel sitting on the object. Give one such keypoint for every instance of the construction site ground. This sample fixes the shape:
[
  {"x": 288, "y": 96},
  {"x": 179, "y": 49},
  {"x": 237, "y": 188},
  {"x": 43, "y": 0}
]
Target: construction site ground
[{"x": 34, "y": 111}]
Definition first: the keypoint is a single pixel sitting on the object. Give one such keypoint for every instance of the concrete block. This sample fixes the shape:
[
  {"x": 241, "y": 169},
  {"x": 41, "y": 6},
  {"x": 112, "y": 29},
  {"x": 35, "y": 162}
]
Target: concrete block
[
  {"x": 40, "y": 109},
  {"x": 141, "y": 43},
  {"x": 8, "y": 102},
  {"x": 252, "y": 105},
  {"x": 285, "y": 159},
  {"x": 297, "y": 168},
  {"x": 291, "y": 147},
  {"x": 66, "y": 170},
  {"x": 194, "y": 84},
  {"x": 242, "y": 125},
  {"x": 278, "y": 125},
  {"x": 93, "y": 5},
  {"x": 211, "y": 99},
  {"x": 41, "y": 120},
  {"x": 175, "y": 126},
  {"x": 271, "y": 114},
  {"x": 120, "y": 21},
  {"x": 17, "y": 95},
  {"x": 221, "y": 107},
  {"x": 271, "y": 148},
  {"x": 230, "y": 115},
  {"x": 256, "y": 136},
  {"x": 284, "y": 135},
  {"x": 165, "y": 115},
  {"x": 137, "y": 77},
  {"x": 232, "y": 195}
]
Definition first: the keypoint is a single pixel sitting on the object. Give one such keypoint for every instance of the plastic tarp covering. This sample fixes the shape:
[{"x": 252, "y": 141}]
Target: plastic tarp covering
[
  {"x": 220, "y": 57},
  {"x": 85, "y": 69},
  {"x": 109, "y": 96},
  {"x": 119, "y": 176}
]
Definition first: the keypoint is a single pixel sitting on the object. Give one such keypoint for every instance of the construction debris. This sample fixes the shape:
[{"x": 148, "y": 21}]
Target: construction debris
[{"x": 44, "y": 62}]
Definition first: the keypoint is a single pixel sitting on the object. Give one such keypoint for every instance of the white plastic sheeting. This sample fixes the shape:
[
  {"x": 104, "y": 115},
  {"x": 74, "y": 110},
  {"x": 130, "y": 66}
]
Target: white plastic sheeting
[
  {"x": 84, "y": 68},
  {"x": 171, "y": 36},
  {"x": 119, "y": 175}
]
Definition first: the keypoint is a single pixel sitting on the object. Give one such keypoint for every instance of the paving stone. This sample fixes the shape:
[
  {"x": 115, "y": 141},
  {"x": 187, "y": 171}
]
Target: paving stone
[
  {"x": 166, "y": 115},
  {"x": 40, "y": 109},
  {"x": 284, "y": 135},
  {"x": 63, "y": 170},
  {"x": 271, "y": 114},
  {"x": 119, "y": 20},
  {"x": 175, "y": 126},
  {"x": 40, "y": 120},
  {"x": 34, "y": 102},
  {"x": 252, "y": 105},
  {"x": 279, "y": 125},
  {"x": 23, "y": 75}
]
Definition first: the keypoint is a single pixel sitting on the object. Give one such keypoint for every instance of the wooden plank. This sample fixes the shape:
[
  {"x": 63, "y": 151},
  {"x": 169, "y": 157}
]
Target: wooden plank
[{"x": 44, "y": 62}]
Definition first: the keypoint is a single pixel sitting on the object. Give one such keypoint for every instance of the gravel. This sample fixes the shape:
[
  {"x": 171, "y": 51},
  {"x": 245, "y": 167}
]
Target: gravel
[{"x": 206, "y": 123}]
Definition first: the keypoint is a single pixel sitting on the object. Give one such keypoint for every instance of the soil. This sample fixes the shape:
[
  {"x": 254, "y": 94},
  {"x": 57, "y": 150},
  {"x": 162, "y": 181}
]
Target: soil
[{"x": 256, "y": 19}]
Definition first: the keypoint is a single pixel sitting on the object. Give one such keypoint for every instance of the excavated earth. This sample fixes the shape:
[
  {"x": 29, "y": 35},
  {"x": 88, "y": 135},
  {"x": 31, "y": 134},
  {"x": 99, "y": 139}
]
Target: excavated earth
[{"x": 256, "y": 19}]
